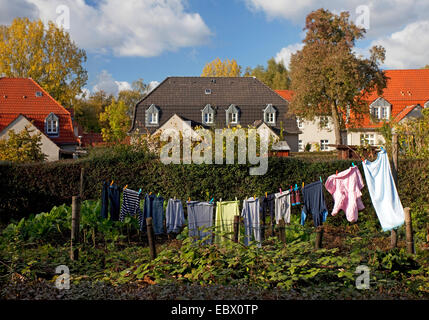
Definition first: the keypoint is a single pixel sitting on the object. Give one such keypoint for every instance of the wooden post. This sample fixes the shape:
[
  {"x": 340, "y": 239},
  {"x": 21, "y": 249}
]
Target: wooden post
[
  {"x": 151, "y": 238},
  {"x": 82, "y": 171},
  {"x": 409, "y": 231},
  {"x": 319, "y": 237},
  {"x": 236, "y": 228},
  {"x": 74, "y": 252},
  {"x": 394, "y": 232},
  {"x": 282, "y": 231}
]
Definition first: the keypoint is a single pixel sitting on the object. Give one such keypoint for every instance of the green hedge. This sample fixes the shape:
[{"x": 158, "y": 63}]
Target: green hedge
[{"x": 33, "y": 188}]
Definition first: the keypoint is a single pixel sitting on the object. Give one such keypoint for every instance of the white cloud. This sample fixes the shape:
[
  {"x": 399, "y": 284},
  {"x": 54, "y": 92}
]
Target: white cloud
[
  {"x": 108, "y": 84},
  {"x": 386, "y": 16},
  {"x": 142, "y": 28},
  {"x": 285, "y": 54},
  {"x": 152, "y": 85},
  {"x": 407, "y": 48}
]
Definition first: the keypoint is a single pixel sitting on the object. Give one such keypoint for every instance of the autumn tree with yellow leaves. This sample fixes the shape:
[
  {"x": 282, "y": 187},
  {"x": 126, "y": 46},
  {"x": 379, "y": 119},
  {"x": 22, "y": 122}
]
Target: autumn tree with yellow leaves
[
  {"x": 45, "y": 53},
  {"x": 22, "y": 147},
  {"x": 218, "y": 68}
]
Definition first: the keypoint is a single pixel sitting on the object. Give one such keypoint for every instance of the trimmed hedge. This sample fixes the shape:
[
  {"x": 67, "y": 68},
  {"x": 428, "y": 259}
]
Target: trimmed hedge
[{"x": 33, "y": 188}]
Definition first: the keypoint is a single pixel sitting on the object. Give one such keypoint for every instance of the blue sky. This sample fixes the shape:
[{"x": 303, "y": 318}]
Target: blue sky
[{"x": 151, "y": 39}]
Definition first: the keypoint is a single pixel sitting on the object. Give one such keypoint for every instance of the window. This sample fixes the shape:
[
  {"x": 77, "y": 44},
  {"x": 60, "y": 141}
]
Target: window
[
  {"x": 208, "y": 114},
  {"x": 234, "y": 117},
  {"x": 367, "y": 139},
  {"x": 232, "y": 114},
  {"x": 324, "y": 122},
  {"x": 208, "y": 91},
  {"x": 300, "y": 146},
  {"x": 380, "y": 109},
  {"x": 384, "y": 113},
  {"x": 152, "y": 116},
  {"x": 299, "y": 123},
  {"x": 324, "y": 145},
  {"x": 270, "y": 114},
  {"x": 208, "y": 118},
  {"x": 52, "y": 124},
  {"x": 376, "y": 112},
  {"x": 39, "y": 94}
]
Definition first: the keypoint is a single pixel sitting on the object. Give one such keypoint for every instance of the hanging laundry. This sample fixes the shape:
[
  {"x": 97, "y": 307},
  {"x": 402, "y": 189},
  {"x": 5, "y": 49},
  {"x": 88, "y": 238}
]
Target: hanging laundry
[
  {"x": 314, "y": 203},
  {"x": 297, "y": 197},
  {"x": 154, "y": 208},
  {"x": 267, "y": 207},
  {"x": 250, "y": 213},
  {"x": 345, "y": 187},
  {"x": 283, "y": 206},
  {"x": 224, "y": 221},
  {"x": 200, "y": 220},
  {"x": 131, "y": 205},
  {"x": 110, "y": 193},
  {"x": 174, "y": 216},
  {"x": 382, "y": 190}
]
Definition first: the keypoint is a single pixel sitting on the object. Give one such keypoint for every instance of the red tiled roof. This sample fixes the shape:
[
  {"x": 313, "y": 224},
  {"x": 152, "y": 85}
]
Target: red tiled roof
[
  {"x": 18, "y": 96},
  {"x": 405, "y": 89},
  {"x": 285, "y": 94}
]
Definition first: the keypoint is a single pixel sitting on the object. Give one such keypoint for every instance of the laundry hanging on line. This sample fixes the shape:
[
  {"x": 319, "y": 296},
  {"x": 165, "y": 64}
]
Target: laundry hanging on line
[
  {"x": 200, "y": 220},
  {"x": 314, "y": 203},
  {"x": 131, "y": 205},
  {"x": 153, "y": 208},
  {"x": 174, "y": 216},
  {"x": 250, "y": 213},
  {"x": 224, "y": 221},
  {"x": 110, "y": 201},
  {"x": 345, "y": 188},
  {"x": 283, "y": 206},
  {"x": 383, "y": 193}
]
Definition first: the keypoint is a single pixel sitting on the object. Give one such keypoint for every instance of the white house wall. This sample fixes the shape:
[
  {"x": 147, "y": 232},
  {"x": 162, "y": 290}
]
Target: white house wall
[
  {"x": 312, "y": 133},
  {"x": 48, "y": 147}
]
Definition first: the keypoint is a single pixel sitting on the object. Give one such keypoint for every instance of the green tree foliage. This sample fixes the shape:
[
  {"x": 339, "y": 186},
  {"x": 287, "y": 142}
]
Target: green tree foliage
[
  {"x": 115, "y": 122},
  {"x": 413, "y": 136},
  {"x": 218, "y": 68},
  {"x": 275, "y": 75},
  {"x": 45, "y": 53},
  {"x": 88, "y": 110},
  {"x": 327, "y": 76},
  {"x": 22, "y": 146}
]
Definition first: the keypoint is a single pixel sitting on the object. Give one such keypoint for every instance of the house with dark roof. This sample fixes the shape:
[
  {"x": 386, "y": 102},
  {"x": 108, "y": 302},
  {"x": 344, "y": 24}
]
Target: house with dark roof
[
  {"x": 24, "y": 102},
  {"x": 215, "y": 102}
]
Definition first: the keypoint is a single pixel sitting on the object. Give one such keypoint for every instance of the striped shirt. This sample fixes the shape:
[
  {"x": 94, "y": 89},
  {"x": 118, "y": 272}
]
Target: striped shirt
[{"x": 131, "y": 205}]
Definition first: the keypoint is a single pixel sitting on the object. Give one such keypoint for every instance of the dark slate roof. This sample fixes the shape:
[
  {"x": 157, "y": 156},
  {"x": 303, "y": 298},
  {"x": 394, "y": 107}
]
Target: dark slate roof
[{"x": 186, "y": 97}]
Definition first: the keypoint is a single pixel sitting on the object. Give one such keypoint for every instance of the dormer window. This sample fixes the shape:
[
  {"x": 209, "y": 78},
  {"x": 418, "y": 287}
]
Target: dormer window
[
  {"x": 232, "y": 114},
  {"x": 39, "y": 94},
  {"x": 380, "y": 109},
  {"x": 152, "y": 116},
  {"x": 427, "y": 105},
  {"x": 52, "y": 125},
  {"x": 270, "y": 115},
  {"x": 208, "y": 91},
  {"x": 208, "y": 115}
]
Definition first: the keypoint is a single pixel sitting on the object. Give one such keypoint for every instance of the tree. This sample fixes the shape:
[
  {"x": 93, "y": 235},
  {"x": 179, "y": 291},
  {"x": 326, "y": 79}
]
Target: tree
[
  {"x": 45, "y": 53},
  {"x": 328, "y": 78},
  {"x": 132, "y": 97},
  {"x": 218, "y": 68},
  {"x": 88, "y": 109},
  {"x": 426, "y": 67},
  {"x": 22, "y": 146},
  {"x": 275, "y": 76},
  {"x": 115, "y": 122}
]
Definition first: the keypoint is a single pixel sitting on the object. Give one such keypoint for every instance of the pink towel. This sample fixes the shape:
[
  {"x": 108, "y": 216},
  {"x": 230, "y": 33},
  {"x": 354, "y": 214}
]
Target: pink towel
[{"x": 345, "y": 188}]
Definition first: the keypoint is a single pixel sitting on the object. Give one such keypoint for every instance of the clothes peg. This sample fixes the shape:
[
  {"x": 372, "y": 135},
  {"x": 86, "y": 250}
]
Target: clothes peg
[
  {"x": 189, "y": 199},
  {"x": 303, "y": 184},
  {"x": 140, "y": 190},
  {"x": 150, "y": 193},
  {"x": 280, "y": 190},
  {"x": 212, "y": 199},
  {"x": 125, "y": 187},
  {"x": 353, "y": 164},
  {"x": 320, "y": 179},
  {"x": 382, "y": 149},
  {"x": 296, "y": 187},
  {"x": 254, "y": 196},
  {"x": 157, "y": 194},
  {"x": 111, "y": 183},
  {"x": 337, "y": 173},
  {"x": 266, "y": 194}
]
